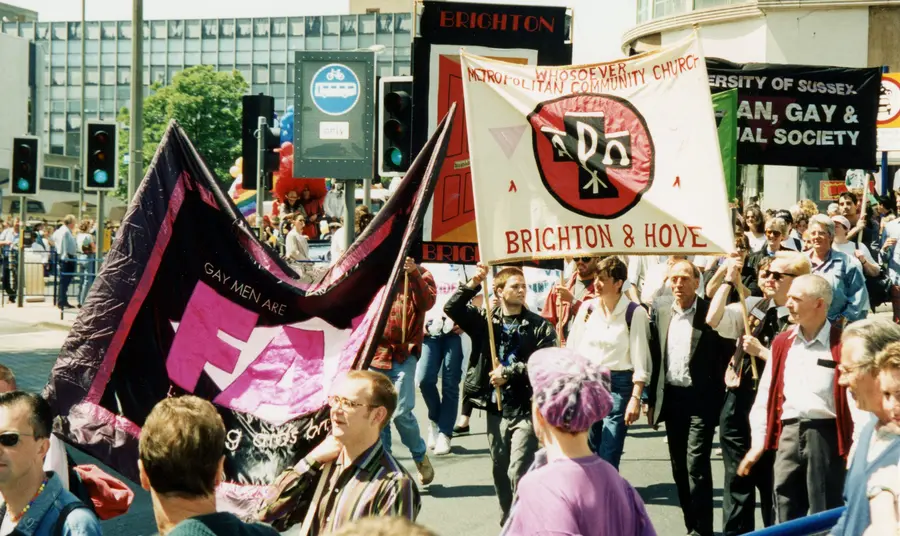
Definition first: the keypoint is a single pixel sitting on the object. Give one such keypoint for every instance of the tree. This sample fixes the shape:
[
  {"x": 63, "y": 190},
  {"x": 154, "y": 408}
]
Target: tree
[{"x": 207, "y": 105}]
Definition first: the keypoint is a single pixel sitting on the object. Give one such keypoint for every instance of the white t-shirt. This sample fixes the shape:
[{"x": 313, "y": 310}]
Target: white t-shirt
[
  {"x": 755, "y": 243},
  {"x": 850, "y": 247}
]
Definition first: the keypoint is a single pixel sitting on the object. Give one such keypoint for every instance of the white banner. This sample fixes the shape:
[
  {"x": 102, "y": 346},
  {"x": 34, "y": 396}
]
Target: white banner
[{"x": 617, "y": 157}]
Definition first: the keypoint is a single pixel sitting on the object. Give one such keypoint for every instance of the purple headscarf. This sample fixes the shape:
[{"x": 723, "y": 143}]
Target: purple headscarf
[{"x": 570, "y": 391}]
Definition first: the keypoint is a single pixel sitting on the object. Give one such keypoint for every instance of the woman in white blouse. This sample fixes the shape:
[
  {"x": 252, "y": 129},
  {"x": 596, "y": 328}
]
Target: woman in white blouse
[{"x": 614, "y": 332}]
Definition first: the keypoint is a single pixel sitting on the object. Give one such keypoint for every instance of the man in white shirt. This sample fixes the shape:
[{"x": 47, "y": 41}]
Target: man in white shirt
[
  {"x": 801, "y": 411},
  {"x": 67, "y": 250},
  {"x": 768, "y": 316},
  {"x": 686, "y": 390}
]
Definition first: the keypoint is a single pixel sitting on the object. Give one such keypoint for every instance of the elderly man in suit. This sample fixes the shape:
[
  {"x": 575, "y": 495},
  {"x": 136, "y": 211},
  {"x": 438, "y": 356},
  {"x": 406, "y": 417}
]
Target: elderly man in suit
[{"x": 687, "y": 389}]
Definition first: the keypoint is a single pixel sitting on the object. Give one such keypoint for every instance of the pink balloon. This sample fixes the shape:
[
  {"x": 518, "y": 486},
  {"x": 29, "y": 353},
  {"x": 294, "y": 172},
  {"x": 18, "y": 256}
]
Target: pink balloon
[
  {"x": 287, "y": 166},
  {"x": 287, "y": 149}
]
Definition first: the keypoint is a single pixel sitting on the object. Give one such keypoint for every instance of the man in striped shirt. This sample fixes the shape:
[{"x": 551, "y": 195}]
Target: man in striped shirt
[{"x": 361, "y": 478}]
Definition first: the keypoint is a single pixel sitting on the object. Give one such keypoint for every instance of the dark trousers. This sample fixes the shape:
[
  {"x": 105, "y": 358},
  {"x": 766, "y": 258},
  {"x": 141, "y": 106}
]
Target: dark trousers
[
  {"x": 739, "y": 493},
  {"x": 66, "y": 270},
  {"x": 809, "y": 472},
  {"x": 690, "y": 419},
  {"x": 895, "y": 303}
]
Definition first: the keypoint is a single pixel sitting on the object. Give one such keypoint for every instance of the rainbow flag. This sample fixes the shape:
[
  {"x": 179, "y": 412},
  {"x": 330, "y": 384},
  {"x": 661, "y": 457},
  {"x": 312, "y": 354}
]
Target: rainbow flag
[{"x": 246, "y": 202}]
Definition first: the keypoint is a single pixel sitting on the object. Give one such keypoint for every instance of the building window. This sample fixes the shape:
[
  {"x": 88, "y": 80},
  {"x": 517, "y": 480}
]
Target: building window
[
  {"x": 210, "y": 29},
  {"x": 313, "y": 26},
  {"x": 279, "y": 74},
  {"x": 92, "y": 77},
  {"x": 332, "y": 26},
  {"x": 158, "y": 29},
  {"x": 74, "y": 31},
  {"x": 42, "y": 31},
  {"x": 403, "y": 23},
  {"x": 124, "y": 75},
  {"x": 74, "y": 77},
  {"x": 125, "y": 30},
  {"x": 176, "y": 29},
  {"x": 367, "y": 24},
  {"x": 108, "y": 30},
  {"x": 371, "y": 10},
  {"x": 58, "y": 76},
  {"x": 260, "y": 74},
  {"x": 261, "y": 27},
  {"x": 192, "y": 29},
  {"x": 57, "y": 123},
  {"x": 59, "y": 31},
  {"x": 279, "y": 28},
  {"x": 296, "y": 26},
  {"x": 73, "y": 122},
  {"x": 56, "y": 172},
  {"x": 385, "y": 23},
  {"x": 108, "y": 76},
  {"x": 226, "y": 28}
]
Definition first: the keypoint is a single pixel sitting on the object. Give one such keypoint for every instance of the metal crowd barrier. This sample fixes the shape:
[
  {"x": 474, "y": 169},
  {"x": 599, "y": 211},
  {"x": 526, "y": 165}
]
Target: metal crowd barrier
[
  {"x": 42, "y": 278},
  {"x": 816, "y": 524}
]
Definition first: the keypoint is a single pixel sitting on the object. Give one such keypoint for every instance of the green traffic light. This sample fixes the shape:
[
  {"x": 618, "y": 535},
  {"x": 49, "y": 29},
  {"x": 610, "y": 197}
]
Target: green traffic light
[{"x": 395, "y": 155}]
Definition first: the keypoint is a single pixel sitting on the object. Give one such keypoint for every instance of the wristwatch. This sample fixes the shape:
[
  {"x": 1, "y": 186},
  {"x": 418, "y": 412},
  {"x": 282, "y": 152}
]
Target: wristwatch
[{"x": 877, "y": 489}]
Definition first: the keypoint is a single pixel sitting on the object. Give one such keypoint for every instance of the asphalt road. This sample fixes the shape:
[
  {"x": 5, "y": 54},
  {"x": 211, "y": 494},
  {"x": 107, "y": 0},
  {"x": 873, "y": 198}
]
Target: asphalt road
[{"x": 461, "y": 500}]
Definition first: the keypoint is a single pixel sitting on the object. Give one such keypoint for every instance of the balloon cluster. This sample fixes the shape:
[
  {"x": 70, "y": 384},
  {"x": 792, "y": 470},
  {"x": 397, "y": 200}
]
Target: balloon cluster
[
  {"x": 236, "y": 188},
  {"x": 287, "y": 125}
]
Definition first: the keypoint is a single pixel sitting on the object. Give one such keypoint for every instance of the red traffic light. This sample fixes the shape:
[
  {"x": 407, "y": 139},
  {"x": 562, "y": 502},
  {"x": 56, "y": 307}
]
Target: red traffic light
[{"x": 396, "y": 102}]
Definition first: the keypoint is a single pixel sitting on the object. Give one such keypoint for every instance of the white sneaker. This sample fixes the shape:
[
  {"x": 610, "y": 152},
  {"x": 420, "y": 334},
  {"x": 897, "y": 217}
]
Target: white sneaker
[
  {"x": 442, "y": 446},
  {"x": 431, "y": 440}
]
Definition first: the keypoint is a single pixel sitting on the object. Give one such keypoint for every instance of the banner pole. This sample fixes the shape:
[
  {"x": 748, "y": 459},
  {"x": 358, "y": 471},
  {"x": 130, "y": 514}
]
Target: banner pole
[
  {"x": 490, "y": 325},
  {"x": 559, "y": 325},
  {"x": 885, "y": 179},
  {"x": 748, "y": 332},
  {"x": 260, "y": 183},
  {"x": 405, "y": 302}
]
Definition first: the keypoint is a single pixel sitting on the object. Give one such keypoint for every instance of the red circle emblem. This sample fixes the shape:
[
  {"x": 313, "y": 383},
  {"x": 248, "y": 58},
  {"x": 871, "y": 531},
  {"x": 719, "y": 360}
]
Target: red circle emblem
[{"x": 594, "y": 153}]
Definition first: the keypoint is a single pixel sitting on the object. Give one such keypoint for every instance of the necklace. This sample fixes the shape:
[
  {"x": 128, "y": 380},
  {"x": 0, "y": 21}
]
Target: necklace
[{"x": 15, "y": 518}]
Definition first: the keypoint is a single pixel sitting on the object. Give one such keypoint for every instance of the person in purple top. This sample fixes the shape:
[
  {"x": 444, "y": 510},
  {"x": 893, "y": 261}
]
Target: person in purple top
[{"x": 569, "y": 490}]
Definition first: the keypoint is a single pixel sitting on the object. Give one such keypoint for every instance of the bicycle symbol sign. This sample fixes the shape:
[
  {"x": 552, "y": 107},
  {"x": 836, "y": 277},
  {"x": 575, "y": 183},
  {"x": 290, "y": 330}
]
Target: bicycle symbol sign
[{"x": 335, "y": 89}]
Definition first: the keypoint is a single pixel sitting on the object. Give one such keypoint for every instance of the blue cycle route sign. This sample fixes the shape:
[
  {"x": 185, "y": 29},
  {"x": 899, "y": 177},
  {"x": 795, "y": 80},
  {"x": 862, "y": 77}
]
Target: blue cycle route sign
[{"x": 335, "y": 89}]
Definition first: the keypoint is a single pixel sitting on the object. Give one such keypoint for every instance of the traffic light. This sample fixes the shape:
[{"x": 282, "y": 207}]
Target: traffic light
[
  {"x": 254, "y": 107},
  {"x": 26, "y": 153},
  {"x": 395, "y": 118},
  {"x": 101, "y": 157}
]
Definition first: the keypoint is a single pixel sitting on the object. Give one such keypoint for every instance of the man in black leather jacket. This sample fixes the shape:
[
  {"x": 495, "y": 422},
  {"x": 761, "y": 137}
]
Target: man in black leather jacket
[{"x": 518, "y": 333}]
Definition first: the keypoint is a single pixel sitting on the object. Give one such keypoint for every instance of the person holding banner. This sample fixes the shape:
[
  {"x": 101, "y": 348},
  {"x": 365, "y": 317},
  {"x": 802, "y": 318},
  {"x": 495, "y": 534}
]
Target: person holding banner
[
  {"x": 850, "y": 300},
  {"x": 767, "y": 318},
  {"x": 562, "y": 304},
  {"x": 686, "y": 391},
  {"x": 517, "y": 333},
  {"x": 849, "y": 207},
  {"x": 614, "y": 332},
  {"x": 398, "y": 350}
]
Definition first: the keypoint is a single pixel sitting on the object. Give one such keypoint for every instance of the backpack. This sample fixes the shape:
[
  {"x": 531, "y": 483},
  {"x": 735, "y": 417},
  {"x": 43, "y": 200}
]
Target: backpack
[{"x": 629, "y": 313}]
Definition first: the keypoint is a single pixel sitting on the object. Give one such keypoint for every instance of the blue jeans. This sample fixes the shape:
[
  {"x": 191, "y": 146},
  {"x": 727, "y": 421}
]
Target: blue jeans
[
  {"x": 607, "y": 437},
  {"x": 87, "y": 277},
  {"x": 402, "y": 375},
  {"x": 441, "y": 355}
]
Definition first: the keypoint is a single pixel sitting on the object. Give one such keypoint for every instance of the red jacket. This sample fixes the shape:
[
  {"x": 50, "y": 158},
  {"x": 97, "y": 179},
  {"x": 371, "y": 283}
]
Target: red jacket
[
  {"x": 780, "y": 347},
  {"x": 567, "y": 311},
  {"x": 422, "y": 296}
]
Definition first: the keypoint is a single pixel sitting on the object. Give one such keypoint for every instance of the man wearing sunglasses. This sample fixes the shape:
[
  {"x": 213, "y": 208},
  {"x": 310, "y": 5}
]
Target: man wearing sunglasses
[
  {"x": 801, "y": 411},
  {"x": 768, "y": 316},
  {"x": 33, "y": 499},
  {"x": 563, "y": 302},
  {"x": 361, "y": 478}
]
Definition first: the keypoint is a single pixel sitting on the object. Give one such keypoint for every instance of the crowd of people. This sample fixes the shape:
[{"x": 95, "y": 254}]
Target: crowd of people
[{"x": 771, "y": 345}]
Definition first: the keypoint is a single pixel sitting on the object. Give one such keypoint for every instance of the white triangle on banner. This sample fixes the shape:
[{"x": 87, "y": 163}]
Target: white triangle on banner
[{"x": 508, "y": 138}]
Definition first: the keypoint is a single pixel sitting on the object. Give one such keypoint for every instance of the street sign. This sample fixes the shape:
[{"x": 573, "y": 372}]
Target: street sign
[{"x": 335, "y": 109}]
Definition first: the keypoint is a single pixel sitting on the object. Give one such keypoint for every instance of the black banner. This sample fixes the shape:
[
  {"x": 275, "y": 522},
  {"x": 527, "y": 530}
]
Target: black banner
[
  {"x": 524, "y": 34},
  {"x": 189, "y": 301},
  {"x": 802, "y": 115}
]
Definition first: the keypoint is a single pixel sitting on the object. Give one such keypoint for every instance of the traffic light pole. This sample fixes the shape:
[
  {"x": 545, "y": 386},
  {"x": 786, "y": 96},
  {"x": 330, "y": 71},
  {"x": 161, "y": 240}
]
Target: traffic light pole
[
  {"x": 260, "y": 183},
  {"x": 98, "y": 256},
  {"x": 349, "y": 213},
  {"x": 20, "y": 265}
]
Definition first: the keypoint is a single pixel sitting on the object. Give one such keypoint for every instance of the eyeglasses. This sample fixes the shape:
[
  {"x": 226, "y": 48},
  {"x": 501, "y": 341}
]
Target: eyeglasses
[
  {"x": 765, "y": 274},
  {"x": 11, "y": 439},
  {"x": 772, "y": 232},
  {"x": 344, "y": 403},
  {"x": 852, "y": 368}
]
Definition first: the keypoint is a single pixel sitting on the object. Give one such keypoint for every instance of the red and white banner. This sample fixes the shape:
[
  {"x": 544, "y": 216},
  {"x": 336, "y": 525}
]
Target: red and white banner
[{"x": 619, "y": 157}]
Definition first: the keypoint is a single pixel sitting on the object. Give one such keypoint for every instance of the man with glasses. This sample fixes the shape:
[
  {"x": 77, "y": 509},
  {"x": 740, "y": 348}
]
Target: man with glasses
[
  {"x": 33, "y": 499},
  {"x": 563, "y": 302},
  {"x": 801, "y": 411},
  {"x": 878, "y": 444},
  {"x": 361, "y": 478},
  {"x": 767, "y": 318}
]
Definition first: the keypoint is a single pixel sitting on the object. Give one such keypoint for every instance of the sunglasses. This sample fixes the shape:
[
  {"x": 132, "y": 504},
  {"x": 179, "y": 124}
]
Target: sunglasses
[
  {"x": 775, "y": 275},
  {"x": 583, "y": 259},
  {"x": 11, "y": 439},
  {"x": 338, "y": 402},
  {"x": 770, "y": 232}
]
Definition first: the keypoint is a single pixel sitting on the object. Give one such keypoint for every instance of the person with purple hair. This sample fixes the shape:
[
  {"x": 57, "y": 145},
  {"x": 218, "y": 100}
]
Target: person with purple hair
[{"x": 569, "y": 489}]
